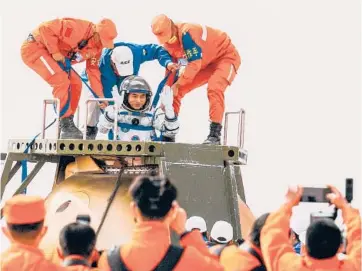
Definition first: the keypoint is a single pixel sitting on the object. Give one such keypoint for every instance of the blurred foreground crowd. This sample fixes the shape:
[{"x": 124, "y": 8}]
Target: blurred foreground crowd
[{"x": 270, "y": 245}]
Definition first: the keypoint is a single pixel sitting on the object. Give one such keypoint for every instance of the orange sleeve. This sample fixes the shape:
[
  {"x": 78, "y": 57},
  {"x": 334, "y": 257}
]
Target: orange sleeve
[
  {"x": 230, "y": 258},
  {"x": 192, "y": 259},
  {"x": 352, "y": 220},
  {"x": 49, "y": 33},
  {"x": 94, "y": 75},
  {"x": 234, "y": 258},
  {"x": 193, "y": 51},
  {"x": 278, "y": 252},
  {"x": 195, "y": 240}
]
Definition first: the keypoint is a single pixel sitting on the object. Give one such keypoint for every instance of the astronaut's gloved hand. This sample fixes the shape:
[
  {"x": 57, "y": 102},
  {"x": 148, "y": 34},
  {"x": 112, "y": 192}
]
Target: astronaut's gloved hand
[
  {"x": 167, "y": 101},
  {"x": 117, "y": 95},
  {"x": 103, "y": 105},
  {"x": 106, "y": 121}
]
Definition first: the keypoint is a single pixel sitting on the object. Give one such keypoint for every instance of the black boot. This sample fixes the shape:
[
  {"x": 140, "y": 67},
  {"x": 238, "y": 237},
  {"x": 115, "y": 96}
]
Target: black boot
[
  {"x": 214, "y": 135},
  {"x": 68, "y": 130},
  {"x": 92, "y": 132},
  {"x": 168, "y": 139}
]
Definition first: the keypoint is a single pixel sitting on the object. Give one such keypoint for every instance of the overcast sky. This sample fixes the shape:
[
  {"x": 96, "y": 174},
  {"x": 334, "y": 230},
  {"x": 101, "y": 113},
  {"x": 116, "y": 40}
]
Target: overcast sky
[{"x": 299, "y": 83}]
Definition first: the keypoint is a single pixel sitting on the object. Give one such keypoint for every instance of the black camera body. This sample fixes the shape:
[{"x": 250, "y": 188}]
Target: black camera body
[
  {"x": 349, "y": 190},
  {"x": 320, "y": 215},
  {"x": 319, "y": 195}
]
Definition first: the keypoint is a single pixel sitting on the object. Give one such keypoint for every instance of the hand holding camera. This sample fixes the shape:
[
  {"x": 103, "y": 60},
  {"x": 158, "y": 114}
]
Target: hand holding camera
[{"x": 336, "y": 198}]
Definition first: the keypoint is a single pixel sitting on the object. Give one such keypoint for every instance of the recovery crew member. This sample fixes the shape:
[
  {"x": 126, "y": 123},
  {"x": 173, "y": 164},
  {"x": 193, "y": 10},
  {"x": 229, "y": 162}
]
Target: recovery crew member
[
  {"x": 118, "y": 63},
  {"x": 212, "y": 59},
  {"x": 247, "y": 256},
  {"x": 323, "y": 238},
  {"x": 156, "y": 212},
  {"x": 54, "y": 46},
  {"x": 24, "y": 216},
  {"x": 77, "y": 242}
]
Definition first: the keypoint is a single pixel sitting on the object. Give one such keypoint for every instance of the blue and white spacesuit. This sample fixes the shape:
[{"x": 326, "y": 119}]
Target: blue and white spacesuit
[
  {"x": 140, "y": 124},
  {"x": 118, "y": 63}
]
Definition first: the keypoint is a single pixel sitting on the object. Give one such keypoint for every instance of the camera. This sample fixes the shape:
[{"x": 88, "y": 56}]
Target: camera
[
  {"x": 312, "y": 194},
  {"x": 320, "y": 215}
]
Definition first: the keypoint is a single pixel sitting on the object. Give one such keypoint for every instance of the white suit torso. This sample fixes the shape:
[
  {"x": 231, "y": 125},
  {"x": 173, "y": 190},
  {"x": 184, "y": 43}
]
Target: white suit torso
[
  {"x": 136, "y": 126},
  {"x": 132, "y": 127}
]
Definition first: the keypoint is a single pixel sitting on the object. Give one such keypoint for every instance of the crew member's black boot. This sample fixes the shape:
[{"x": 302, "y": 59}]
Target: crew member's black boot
[
  {"x": 214, "y": 135},
  {"x": 68, "y": 130},
  {"x": 92, "y": 132}
]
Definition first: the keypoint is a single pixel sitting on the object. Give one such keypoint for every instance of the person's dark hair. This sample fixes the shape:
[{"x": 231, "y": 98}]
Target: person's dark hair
[
  {"x": 205, "y": 235},
  {"x": 77, "y": 239},
  {"x": 25, "y": 231},
  {"x": 323, "y": 239},
  {"x": 239, "y": 241},
  {"x": 25, "y": 228},
  {"x": 295, "y": 234},
  {"x": 256, "y": 229},
  {"x": 153, "y": 195}
]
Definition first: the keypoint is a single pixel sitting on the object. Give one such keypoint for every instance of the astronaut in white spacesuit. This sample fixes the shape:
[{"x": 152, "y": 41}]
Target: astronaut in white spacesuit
[{"x": 137, "y": 120}]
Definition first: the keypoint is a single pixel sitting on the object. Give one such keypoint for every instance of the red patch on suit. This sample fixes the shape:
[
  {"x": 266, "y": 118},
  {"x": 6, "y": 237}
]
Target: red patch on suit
[{"x": 68, "y": 32}]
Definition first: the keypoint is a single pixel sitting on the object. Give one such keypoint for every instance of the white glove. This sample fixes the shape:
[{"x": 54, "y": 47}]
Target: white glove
[
  {"x": 118, "y": 98},
  {"x": 106, "y": 120},
  {"x": 78, "y": 57},
  {"x": 181, "y": 71},
  {"x": 167, "y": 101},
  {"x": 183, "y": 63}
]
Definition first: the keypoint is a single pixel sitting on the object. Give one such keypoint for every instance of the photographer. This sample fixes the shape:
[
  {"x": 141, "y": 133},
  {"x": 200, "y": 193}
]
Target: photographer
[
  {"x": 77, "y": 245},
  {"x": 156, "y": 213},
  {"x": 323, "y": 238}
]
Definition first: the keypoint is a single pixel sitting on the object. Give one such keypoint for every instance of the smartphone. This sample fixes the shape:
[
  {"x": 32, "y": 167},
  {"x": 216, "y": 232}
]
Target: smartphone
[
  {"x": 315, "y": 194},
  {"x": 83, "y": 219}
]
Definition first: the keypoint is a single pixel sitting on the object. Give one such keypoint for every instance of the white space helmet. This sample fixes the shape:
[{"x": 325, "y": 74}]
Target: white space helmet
[{"x": 135, "y": 84}]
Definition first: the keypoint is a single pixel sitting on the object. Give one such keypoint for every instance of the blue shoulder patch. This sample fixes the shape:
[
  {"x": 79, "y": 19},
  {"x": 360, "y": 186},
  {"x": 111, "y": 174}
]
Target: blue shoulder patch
[{"x": 192, "y": 50}]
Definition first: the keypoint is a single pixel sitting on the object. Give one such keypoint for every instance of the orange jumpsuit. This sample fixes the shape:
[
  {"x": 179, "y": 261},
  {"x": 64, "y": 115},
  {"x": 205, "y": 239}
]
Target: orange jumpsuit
[
  {"x": 151, "y": 240},
  {"x": 279, "y": 255},
  {"x": 21, "y": 257},
  {"x": 212, "y": 59},
  {"x": 236, "y": 259},
  {"x": 62, "y": 36}
]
